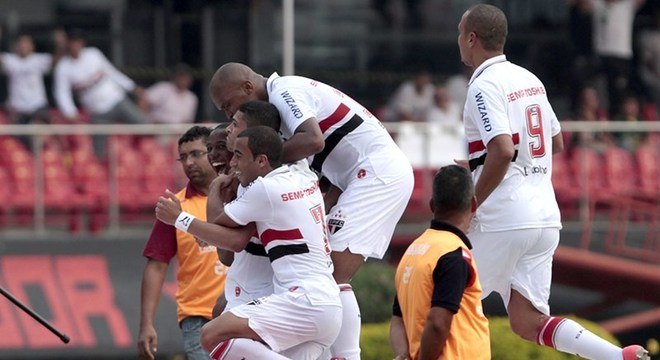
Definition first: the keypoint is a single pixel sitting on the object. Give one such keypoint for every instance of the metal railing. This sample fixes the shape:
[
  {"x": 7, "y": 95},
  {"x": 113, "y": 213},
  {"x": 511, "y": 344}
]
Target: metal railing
[{"x": 38, "y": 132}]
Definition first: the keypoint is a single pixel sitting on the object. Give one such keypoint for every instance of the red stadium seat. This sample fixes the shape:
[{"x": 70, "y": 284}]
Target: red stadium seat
[{"x": 566, "y": 187}]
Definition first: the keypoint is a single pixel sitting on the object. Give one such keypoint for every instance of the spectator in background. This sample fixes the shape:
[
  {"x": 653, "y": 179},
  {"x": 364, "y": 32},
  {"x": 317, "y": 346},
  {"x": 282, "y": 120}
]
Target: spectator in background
[
  {"x": 629, "y": 110},
  {"x": 412, "y": 99},
  {"x": 172, "y": 102},
  {"x": 457, "y": 86},
  {"x": 613, "y": 44},
  {"x": 443, "y": 110},
  {"x": 100, "y": 87},
  {"x": 200, "y": 275},
  {"x": 589, "y": 109},
  {"x": 25, "y": 69}
]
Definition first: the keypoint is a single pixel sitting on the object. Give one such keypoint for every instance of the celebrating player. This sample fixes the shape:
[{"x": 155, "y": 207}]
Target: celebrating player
[
  {"x": 348, "y": 146},
  {"x": 512, "y": 133},
  {"x": 286, "y": 208}
]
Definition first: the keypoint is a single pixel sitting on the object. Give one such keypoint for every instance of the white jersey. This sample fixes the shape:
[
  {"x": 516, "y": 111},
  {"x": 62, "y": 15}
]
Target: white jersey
[
  {"x": 504, "y": 98},
  {"x": 27, "y": 92},
  {"x": 355, "y": 141},
  {"x": 99, "y": 85},
  {"x": 287, "y": 208},
  {"x": 250, "y": 275},
  {"x": 613, "y": 28}
]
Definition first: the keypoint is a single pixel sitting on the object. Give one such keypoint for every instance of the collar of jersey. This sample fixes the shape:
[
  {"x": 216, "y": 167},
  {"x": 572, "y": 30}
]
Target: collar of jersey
[
  {"x": 485, "y": 65},
  {"x": 444, "y": 226},
  {"x": 271, "y": 78},
  {"x": 280, "y": 170}
]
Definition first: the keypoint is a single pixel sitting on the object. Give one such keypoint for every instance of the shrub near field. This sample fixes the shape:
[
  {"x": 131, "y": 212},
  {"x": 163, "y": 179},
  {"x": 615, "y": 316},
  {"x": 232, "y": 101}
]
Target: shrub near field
[
  {"x": 505, "y": 345},
  {"x": 374, "y": 289}
]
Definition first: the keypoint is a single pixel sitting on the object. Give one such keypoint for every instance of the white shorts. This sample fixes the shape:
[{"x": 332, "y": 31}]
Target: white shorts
[
  {"x": 366, "y": 214},
  {"x": 239, "y": 295},
  {"x": 517, "y": 259},
  {"x": 290, "y": 324}
]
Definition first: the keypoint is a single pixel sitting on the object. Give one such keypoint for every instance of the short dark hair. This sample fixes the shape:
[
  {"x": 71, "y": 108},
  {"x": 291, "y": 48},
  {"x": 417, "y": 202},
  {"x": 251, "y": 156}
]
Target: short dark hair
[
  {"x": 453, "y": 191},
  {"x": 263, "y": 140},
  {"x": 490, "y": 25},
  {"x": 194, "y": 133},
  {"x": 261, "y": 113}
]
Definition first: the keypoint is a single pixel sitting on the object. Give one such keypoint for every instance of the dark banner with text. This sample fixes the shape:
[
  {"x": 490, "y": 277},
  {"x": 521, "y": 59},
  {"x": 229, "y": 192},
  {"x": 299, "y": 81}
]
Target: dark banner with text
[{"x": 86, "y": 289}]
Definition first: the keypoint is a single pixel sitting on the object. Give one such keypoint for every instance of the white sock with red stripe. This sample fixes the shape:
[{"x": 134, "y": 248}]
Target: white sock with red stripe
[
  {"x": 347, "y": 345},
  {"x": 570, "y": 337},
  {"x": 244, "y": 349}
]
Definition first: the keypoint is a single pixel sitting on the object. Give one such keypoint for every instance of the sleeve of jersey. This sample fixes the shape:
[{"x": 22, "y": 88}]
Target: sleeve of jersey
[
  {"x": 450, "y": 277},
  {"x": 161, "y": 245},
  {"x": 556, "y": 128},
  {"x": 293, "y": 105},
  {"x": 396, "y": 308},
  {"x": 253, "y": 205},
  {"x": 487, "y": 106}
]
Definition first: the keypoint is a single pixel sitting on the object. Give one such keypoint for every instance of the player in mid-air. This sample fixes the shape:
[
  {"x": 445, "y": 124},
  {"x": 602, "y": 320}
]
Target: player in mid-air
[
  {"x": 512, "y": 132},
  {"x": 345, "y": 144},
  {"x": 286, "y": 209}
]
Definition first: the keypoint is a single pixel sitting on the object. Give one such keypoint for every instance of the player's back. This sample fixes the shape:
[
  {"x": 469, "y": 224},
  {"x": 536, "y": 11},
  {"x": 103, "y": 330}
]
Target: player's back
[
  {"x": 355, "y": 138},
  {"x": 294, "y": 236},
  {"x": 505, "y": 90}
]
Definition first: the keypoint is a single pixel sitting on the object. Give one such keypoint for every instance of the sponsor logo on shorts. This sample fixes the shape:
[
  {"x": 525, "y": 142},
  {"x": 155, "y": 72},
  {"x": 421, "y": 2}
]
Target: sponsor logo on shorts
[
  {"x": 237, "y": 291},
  {"x": 361, "y": 173},
  {"x": 335, "y": 225}
]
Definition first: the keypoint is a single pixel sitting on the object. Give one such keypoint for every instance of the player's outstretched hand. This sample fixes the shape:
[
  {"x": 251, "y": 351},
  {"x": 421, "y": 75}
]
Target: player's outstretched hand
[{"x": 168, "y": 208}]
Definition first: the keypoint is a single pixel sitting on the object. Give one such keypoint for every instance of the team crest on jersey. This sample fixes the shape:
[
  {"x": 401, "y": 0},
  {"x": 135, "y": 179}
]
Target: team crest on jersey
[{"x": 335, "y": 225}]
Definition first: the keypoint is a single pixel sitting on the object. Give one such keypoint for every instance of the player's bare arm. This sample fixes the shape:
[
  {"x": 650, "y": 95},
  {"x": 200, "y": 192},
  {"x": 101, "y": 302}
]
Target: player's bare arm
[
  {"x": 305, "y": 142},
  {"x": 435, "y": 333},
  {"x": 557, "y": 143},
  {"x": 234, "y": 239},
  {"x": 500, "y": 153},
  {"x": 398, "y": 339}
]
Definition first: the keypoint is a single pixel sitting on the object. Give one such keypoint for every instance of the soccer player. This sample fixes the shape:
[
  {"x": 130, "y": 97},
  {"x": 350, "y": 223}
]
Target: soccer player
[
  {"x": 347, "y": 145},
  {"x": 437, "y": 311},
  {"x": 286, "y": 209},
  {"x": 250, "y": 275},
  {"x": 512, "y": 133},
  {"x": 200, "y": 276}
]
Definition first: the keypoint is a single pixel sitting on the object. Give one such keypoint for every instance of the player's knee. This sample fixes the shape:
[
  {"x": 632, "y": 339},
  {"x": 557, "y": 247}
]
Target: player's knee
[{"x": 207, "y": 338}]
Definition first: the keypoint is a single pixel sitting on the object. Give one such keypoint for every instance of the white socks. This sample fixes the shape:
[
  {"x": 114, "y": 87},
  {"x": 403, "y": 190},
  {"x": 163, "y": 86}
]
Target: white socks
[
  {"x": 568, "y": 336},
  {"x": 347, "y": 345},
  {"x": 244, "y": 349}
]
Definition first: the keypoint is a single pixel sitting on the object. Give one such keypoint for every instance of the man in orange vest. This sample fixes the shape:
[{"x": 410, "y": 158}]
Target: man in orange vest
[
  {"x": 437, "y": 311},
  {"x": 200, "y": 275}
]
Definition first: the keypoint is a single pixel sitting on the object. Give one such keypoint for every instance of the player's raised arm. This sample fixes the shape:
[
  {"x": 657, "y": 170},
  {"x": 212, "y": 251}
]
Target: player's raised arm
[{"x": 168, "y": 210}]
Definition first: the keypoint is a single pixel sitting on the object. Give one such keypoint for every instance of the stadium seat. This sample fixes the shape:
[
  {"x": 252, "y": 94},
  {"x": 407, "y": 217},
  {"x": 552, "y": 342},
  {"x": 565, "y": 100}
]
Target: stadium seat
[{"x": 566, "y": 188}]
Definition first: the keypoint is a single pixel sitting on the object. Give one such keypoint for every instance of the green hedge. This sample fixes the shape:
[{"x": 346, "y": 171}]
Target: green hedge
[
  {"x": 374, "y": 289},
  {"x": 505, "y": 345}
]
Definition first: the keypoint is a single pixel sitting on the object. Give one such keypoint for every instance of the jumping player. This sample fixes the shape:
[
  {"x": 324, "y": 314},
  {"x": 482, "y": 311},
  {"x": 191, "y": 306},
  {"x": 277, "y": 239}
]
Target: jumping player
[
  {"x": 512, "y": 133},
  {"x": 350, "y": 147},
  {"x": 287, "y": 211}
]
